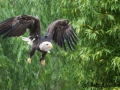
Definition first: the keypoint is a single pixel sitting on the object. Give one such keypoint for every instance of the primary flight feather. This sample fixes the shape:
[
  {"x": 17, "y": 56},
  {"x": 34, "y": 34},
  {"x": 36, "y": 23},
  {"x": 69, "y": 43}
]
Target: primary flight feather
[{"x": 60, "y": 31}]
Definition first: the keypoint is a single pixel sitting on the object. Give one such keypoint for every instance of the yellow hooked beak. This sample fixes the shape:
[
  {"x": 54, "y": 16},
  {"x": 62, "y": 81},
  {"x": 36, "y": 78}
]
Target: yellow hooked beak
[{"x": 51, "y": 46}]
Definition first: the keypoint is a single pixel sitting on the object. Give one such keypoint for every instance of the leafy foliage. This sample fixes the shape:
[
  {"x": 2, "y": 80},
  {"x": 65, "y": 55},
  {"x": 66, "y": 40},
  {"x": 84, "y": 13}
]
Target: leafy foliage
[{"x": 94, "y": 64}]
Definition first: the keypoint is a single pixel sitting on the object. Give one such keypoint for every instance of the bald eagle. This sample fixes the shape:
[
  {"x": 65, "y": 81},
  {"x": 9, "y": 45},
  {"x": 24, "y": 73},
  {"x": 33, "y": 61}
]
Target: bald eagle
[{"x": 60, "y": 31}]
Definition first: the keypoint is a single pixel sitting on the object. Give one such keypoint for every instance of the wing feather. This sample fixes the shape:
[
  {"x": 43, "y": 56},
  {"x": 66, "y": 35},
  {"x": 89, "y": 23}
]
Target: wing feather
[
  {"x": 16, "y": 26},
  {"x": 5, "y": 30},
  {"x": 68, "y": 41},
  {"x": 73, "y": 33},
  {"x": 68, "y": 35},
  {"x": 74, "y": 40},
  {"x": 6, "y": 21},
  {"x": 16, "y": 29},
  {"x": 60, "y": 31}
]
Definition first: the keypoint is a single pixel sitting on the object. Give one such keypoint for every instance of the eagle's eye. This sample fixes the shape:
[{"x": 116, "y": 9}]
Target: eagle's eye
[{"x": 45, "y": 36}]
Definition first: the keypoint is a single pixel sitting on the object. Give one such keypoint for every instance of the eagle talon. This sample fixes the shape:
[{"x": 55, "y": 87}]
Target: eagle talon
[
  {"x": 42, "y": 62},
  {"x": 29, "y": 60}
]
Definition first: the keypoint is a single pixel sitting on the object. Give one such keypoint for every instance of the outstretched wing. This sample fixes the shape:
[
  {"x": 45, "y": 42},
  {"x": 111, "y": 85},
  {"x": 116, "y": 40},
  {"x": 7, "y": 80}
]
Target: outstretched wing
[
  {"x": 17, "y": 26},
  {"x": 61, "y": 31}
]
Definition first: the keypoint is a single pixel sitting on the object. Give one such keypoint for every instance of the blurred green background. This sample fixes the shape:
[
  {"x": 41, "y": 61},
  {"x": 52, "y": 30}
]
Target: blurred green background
[{"x": 93, "y": 65}]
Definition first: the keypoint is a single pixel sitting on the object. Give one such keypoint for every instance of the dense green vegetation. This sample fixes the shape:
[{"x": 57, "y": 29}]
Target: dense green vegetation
[{"x": 93, "y": 65}]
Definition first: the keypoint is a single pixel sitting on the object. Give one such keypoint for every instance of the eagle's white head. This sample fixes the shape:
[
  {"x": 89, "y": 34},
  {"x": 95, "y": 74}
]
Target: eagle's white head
[{"x": 45, "y": 46}]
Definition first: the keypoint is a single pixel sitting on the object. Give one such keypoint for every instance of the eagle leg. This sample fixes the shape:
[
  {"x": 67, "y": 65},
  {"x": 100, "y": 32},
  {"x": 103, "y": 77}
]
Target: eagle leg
[
  {"x": 42, "y": 60},
  {"x": 32, "y": 51}
]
